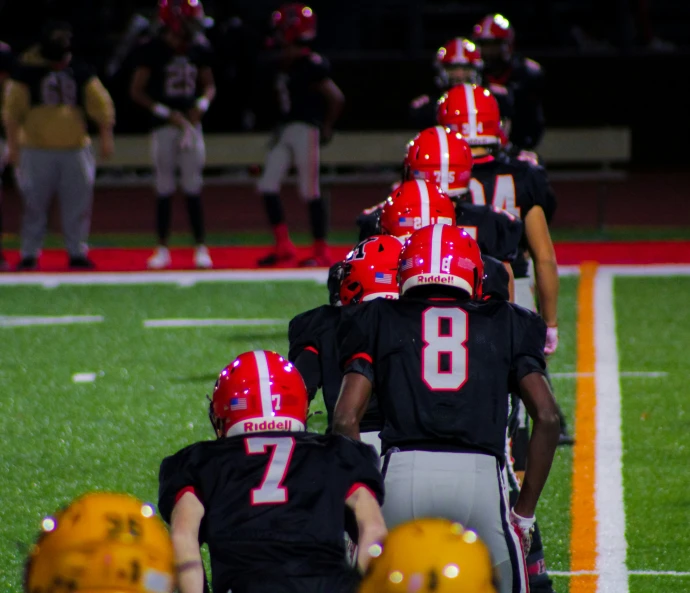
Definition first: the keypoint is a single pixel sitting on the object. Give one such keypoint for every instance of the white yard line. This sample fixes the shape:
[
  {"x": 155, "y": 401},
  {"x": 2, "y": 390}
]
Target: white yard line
[
  {"x": 609, "y": 502},
  {"x": 644, "y": 573},
  {"x": 25, "y": 321},
  {"x": 177, "y": 323},
  {"x": 626, "y": 374},
  {"x": 83, "y": 377}
]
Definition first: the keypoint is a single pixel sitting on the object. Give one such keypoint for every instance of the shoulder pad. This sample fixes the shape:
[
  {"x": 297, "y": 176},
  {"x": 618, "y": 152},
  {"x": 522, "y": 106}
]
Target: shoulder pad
[
  {"x": 532, "y": 66},
  {"x": 498, "y": 89},
  {"x": 315, "y": 58}
]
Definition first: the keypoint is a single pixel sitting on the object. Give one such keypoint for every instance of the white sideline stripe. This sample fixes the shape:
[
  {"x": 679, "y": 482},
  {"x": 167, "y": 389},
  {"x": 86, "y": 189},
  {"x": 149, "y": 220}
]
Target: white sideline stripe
[
  {"x": 25, "y": 321},
  {"x": 653, "y": 374},
  {"x": 648, "y": 270},
  {"x": 83, "y": 377},
  {"x": 643, "y": 573},
  {"x": 156, "y": 323},
  {"x": 609, "y": 501}
]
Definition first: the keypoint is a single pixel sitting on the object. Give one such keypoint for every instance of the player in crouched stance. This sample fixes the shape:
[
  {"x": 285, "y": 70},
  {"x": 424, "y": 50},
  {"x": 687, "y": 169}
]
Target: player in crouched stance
[
  {"x": 441, "y": 362},
  {"x": 268, "y": 498}
]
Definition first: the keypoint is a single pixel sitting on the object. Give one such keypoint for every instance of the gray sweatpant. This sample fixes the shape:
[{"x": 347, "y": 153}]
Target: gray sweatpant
[
  {"x": 468, "y": 488},
  {"x": 173, "y": 148},
  {"x": 70, "y": 174}
]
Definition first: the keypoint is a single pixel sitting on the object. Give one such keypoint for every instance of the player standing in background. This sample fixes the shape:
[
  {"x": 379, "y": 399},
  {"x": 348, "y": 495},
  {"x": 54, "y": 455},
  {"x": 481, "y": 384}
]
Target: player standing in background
[
  {"x": 442, "y": 363},
  {"x": 6, "y": 67},
  {"x": 48, "y": 141},
  {"x": 110, "y": 543},
  {"x": 521, "y": 77},
  {"x": 310, "y": 103},
  {"x": 267, "y": 497},
  {"x": 174, "y": 81},
  {"x": 368, "y": 272}
]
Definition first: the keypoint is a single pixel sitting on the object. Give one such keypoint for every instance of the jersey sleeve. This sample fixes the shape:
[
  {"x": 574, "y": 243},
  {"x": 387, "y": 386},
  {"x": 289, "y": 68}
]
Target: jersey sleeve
[
  {"x": 529, "y": 336},
  {"x": 507, "y": 233},
  {"x": 542, "y": 192},
  {"x": 204, "y": 55},
  {"x": 177, "y": 474},
  {"x": 496, "y": 279},
  {"x": 145, "y": 56},
  {"x": 319, "y": 69},
  {"x": 303, "y": 334},
  {"x": 357, "y": 338},
  {"x": 335, "y": 276},
  {"x": 7, "y": 61},
  {"x": 360, "y": 464}
]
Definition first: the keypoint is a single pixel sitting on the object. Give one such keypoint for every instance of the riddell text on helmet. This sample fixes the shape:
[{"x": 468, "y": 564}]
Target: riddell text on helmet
[
  {"x": 251, "y": 426},
  {"x": 427, "y": 279}
]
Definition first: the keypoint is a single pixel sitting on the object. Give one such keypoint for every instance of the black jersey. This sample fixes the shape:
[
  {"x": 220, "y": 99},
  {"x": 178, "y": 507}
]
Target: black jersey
[
  {"x": 7, "y": 59},
  {"x": 496, "y": 279},
  {"x": 298, "y": 100},
  {"x": 314, "y": 332},
  {"x": 174, "y": 77},
  {"x": 442, "y": 369},
  {"x": 515, "y": 186},
  {"x": 274, "y": 502},
  {"x": 48, "y": 86},
  {"x": 524, "y": 83},
  {"x": 497, "y": 232}
]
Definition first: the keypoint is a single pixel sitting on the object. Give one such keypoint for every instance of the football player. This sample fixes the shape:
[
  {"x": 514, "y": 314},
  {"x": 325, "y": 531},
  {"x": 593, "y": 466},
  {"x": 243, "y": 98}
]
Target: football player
[
  {"x": 522, "y": 78},
  {"x": 310, "y": 104},
  {"x": 430, "y": 556},
  {"x": 6, "y": 66},
  {"x": 441, "y": 362},
  {"x": 267, "y": 497},
  {"x": 174, "y": 81},
  {"x": 368, "y": 272},
  {"x": 110, "y": 543}
]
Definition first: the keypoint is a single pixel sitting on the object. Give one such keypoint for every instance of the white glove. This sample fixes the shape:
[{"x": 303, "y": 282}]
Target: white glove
[
  {"x": 525, "y": 528},
  {"x": 551, "y": 340}
]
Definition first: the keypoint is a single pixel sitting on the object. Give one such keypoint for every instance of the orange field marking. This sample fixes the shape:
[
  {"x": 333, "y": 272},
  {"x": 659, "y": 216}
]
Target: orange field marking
[{"x": 583, "y": 535}]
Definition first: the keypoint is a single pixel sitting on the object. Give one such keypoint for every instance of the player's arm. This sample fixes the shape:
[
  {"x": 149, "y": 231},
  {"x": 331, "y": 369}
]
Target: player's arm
[
  {"x": 370, "y": 524},
  {"x": 138, "y": 94},
  {"x": 308, "y": 365},
  {"x": 335, "y": 100},
  {"x": 208, "y": 93},
  {"x": 545, "y": 265},
  {"x": 355, "y": 393},
  {"x": 541, "y": 406},
  {"x": 14, "y": 110},
  {"x": 185, "y": 522},
  {"x": 101, "y": 109},
  {"x": 511, "y": 281}
]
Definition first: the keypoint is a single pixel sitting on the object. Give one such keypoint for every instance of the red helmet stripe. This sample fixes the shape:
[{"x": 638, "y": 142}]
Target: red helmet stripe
[
  {"x": 471, "y": 110},
  {"x": 443, "y": 149},
  {"x": 436, "y": 236},
  {"x": 264, "y": 382},
  {"x": 424, "y": 203}
]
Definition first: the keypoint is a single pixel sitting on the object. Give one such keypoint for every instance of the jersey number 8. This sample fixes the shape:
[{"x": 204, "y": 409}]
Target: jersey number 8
[{"x": 444, "y": 354}]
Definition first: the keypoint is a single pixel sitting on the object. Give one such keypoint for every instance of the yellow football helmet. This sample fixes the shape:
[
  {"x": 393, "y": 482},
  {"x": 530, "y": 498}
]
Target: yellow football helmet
[
  {"x": 430, "y": 556},
  {"x": 102, "y": 543}
]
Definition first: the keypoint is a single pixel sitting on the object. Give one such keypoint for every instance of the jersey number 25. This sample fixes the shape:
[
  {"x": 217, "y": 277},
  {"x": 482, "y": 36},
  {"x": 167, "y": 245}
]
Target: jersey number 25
[{"x": 444, "y": 354}]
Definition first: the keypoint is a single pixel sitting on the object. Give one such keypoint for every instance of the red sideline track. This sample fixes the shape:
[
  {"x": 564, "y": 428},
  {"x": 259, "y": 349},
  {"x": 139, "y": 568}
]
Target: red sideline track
[{"x": 244, "y": 258}]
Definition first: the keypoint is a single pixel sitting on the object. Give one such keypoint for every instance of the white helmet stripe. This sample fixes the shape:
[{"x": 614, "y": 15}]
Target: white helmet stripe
[
  {"x": 486, "y": 26},
  {"x": 264, "y": 383},
  {"x": 443, "y": 148},
  {"x": 436, "y": 236},
  {"x": 471, "y": 111},
  {"x": 424, "y": 203}
]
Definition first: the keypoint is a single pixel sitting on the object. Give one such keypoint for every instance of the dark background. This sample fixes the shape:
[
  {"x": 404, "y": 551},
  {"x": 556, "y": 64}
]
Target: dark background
[{"x": 610, "y": 62}]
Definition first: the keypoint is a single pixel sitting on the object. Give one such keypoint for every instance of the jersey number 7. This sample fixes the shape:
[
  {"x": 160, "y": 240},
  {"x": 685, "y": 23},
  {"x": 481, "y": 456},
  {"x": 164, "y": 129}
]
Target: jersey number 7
[
  {"x": 271, "y": 490},
  {"x": 444, "y": 354}
]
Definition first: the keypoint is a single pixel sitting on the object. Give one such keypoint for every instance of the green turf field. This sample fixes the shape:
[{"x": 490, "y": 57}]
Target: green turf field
[{"x": 62, "y": 438}]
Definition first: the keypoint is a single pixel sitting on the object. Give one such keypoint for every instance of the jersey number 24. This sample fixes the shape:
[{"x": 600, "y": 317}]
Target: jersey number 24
[
  {"x": 504, "y": 194},
  {"x": 444, "y": 353}
]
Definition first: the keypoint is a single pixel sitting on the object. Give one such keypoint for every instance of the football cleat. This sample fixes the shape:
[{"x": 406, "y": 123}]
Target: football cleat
[
  {"x": 441, "y": 255},
  {"x": 442, "y": 157},
  {"x": 370, "y": 270},
  {"x": 414, "y": 205},
  {"x": 257, "y": 392},
  {"x": 202, "y": 258},
  {"x": 430, "y": 556},
  {"x": 160, "y": 259},
  {"x": 110, "y": 543}
]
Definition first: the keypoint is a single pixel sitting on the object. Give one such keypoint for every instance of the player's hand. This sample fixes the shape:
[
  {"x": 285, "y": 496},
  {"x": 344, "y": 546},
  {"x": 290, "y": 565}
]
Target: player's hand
[
  {"x": 525, "y": 528},
  {"x": 177, "y": 119},
  {"x": 551, "y": 341},
  {"x": 326, "y": 135},
  {"x": 420, "y": 101},
  {"x": 529, "y": 157},
  {"x": 194, "y": 116},
  {"x": 107, "y": 146}
]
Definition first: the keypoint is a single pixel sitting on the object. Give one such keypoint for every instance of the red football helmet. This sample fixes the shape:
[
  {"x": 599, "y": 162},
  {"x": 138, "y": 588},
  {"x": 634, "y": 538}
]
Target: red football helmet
[
  {"x": 441, "y": 255},
  {"x": 473, "y": 111},
  {"x": 414, "y": 205},
  {"x": 370, "y": 270},
  {"x": 442, "y": 157},
  {"x": 458, "y": 62},
  {"x": 257, "y": 392},
  {"x": 176, "y": 14},
  {"x": 495, "y": 35},
  {"x": 294, "y": 23}
]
